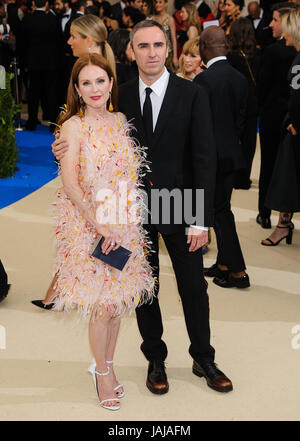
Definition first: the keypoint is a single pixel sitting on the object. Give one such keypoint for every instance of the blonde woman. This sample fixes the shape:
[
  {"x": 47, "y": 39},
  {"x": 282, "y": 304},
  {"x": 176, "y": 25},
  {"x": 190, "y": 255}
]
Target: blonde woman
[
  {"x": 190, "y": 62},
  {"x": 284, "y": 189},
  {"x": 89, "y": 35},
  {"x": 189, "y": 14}
]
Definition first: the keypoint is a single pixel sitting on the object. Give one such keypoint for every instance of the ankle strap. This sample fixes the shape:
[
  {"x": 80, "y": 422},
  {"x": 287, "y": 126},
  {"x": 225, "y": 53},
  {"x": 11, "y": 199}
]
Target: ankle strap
[
  {"x": 109, "y": 361},
  {"x": 102, "y": 373}
]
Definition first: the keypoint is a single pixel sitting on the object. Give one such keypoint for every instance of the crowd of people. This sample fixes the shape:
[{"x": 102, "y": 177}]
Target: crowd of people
[{"x": 198, "y": 120}]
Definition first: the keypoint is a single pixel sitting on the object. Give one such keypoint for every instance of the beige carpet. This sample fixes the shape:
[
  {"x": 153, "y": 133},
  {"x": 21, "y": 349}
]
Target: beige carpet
[{"x": 43, "y": 369}]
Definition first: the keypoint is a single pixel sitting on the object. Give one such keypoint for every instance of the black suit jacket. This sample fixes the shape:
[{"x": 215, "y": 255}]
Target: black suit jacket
[
  {"x": 228, "y": 91},
  {"x": 66, "y": 34},
  {"x": 263, "y": 33},
  {"x": 273, "y": 88},
  {"x": 182, "y": 153},
  {"x": 203, "y": 10},
  {"x": 40, "y": 41}
]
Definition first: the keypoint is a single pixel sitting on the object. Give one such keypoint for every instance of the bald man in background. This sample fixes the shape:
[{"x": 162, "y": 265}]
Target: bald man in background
[
  {"x": 227, "y": 89},
  {"x": 260, "y": 20}
]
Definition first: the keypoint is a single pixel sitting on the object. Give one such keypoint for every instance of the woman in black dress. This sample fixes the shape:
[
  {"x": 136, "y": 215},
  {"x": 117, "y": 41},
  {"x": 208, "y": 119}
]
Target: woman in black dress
[
  {"x": 244, "y": 56},
  {"x": 284, "y": 190}
]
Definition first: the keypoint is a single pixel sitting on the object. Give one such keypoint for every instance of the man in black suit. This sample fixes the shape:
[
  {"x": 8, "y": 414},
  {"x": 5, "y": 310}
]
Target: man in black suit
[
  {"x": 40, "y": 44},
  {"x": 227, "y": 89},
  {"x": 182, "y": 155},
  {"x": 203, "y": 8},
  {"x": 260, "y": 21},
  {"x": 172, "y": 117},
  {"x": 273, "y": 92},
  {"x": 66, "y": 16}
]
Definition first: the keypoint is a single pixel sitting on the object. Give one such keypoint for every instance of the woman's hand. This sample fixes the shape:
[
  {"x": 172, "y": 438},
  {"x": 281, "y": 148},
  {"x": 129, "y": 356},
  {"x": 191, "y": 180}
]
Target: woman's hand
[{"x": 111, "y": 241}]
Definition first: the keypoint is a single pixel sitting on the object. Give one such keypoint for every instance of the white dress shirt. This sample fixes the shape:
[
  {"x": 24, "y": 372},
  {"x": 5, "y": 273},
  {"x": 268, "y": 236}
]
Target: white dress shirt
[
  {"x": 257, "y": 20},
  {"x": 65, "y": 20},
  {"x": 157, "y": 96},
  {"x": 214, "y": 60}
]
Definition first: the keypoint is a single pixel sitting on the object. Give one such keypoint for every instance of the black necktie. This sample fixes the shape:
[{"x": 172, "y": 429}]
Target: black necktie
[{"x": 147, "y": 116}]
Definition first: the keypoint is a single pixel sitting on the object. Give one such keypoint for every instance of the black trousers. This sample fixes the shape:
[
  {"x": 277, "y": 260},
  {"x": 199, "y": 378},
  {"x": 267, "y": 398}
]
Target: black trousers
[
  {"x": 192, "y": 289},
  {"x": 229, "y": 249},
  {"x": 42, "y": 87},
  {"x": 270, "y": 127}
]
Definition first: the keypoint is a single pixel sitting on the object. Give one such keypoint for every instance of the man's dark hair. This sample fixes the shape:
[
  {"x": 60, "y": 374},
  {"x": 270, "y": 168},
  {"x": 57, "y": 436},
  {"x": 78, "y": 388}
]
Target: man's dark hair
[
  {"x": 118, "y": 40},
  {"x": 107, "y": 8},
  {"x": 284, "y": 5},
  {"x": 77, "y": 5},
  {"x": 94, "y": 10},
  {"x": 135, "y": 15},
  {"x": 40, "y": 3},
  {"x": 239, "y": 3},
  {"x": 146, "y": 24}
]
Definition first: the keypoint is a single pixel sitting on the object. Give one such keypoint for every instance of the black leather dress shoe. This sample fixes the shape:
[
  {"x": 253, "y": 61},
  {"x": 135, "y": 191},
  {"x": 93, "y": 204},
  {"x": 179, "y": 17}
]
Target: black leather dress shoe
[
  {"x": 264, "y": 222},
  {"x": 214, "y": 271},
  {"x": 40, "y": 304},
  {"x": 233, "y": 282},
  {"x": 157, "y": 381},
  {"x": 215, "y": 378}
]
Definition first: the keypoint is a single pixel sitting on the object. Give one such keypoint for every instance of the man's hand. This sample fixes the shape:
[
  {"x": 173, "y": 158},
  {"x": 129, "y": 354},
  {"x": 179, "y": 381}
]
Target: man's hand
[
  {"x": 59, "y": 147},
  {"x": 196, "y": 238},
  {"x": 291, "y": 129}
]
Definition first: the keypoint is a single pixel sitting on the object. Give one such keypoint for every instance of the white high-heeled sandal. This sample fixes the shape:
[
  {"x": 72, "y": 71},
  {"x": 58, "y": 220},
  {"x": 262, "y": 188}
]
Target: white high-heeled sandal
[
  {"x": 122, "y": 394},
  {"x": 94, "y": 372}
]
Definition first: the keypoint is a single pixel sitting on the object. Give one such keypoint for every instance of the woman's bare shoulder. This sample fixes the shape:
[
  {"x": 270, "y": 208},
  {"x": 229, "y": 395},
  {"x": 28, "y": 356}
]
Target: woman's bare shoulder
[
  {"x": 72, "y": 124},
  {"x": 121, "y": 117}
]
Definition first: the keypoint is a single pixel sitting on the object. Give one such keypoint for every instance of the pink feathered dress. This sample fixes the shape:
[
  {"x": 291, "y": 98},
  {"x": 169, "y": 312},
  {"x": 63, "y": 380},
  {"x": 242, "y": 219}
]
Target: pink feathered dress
[{"x": 111, "y": 160}]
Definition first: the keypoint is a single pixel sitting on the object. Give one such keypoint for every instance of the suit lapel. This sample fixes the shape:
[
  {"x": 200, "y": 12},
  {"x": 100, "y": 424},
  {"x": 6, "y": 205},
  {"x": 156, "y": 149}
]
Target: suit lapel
[
  {"x": 167, "y": 106},
  {"x": 134, "y": 115}
]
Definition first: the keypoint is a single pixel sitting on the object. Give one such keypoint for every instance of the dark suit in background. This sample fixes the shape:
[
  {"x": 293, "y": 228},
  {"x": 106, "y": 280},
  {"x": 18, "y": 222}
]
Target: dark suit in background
[
  {"x": 204, "y": 10},
  {"x": 67, "y": 58},
  {"x": 273, "y": 90},
  {"x": 263, "y": 33},
  {"x": 227, "y": 90},
  {"x": 182, "y": 155},
  {"x": 250, "y": 71},
  {"x": 40, "y": 43}
]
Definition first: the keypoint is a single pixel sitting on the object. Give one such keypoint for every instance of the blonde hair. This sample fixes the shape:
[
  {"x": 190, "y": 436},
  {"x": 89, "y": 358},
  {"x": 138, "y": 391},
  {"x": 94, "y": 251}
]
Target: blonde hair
[
  {"x": 193, "y": 16},
  {"x": 290, "y": 24},
  {"x": 92, "y": 26},
  {"x": 190, "y": 47}
]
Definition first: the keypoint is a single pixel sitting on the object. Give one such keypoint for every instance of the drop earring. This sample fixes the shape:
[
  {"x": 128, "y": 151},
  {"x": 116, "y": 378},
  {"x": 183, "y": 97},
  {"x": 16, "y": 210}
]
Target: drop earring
[
  {"x": 81, "y": 104},
  {"x": 110, "y": 107}
]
